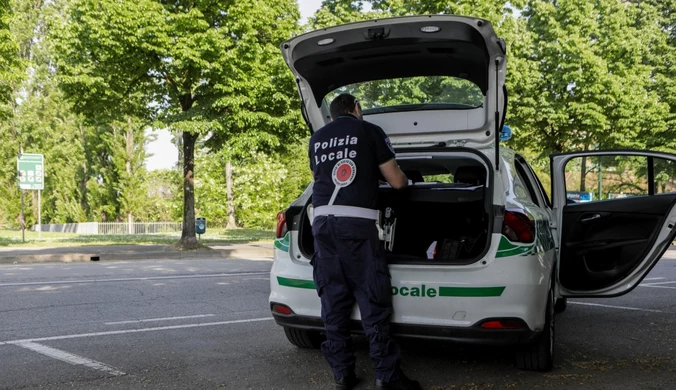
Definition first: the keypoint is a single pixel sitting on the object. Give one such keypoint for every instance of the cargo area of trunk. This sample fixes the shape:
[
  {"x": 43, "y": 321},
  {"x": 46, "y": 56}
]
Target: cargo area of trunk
[{"x": 445, "y": 217}]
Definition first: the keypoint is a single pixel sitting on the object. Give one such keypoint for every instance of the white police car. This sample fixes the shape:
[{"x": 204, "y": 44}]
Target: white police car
[{"x": 479, "y": 253}]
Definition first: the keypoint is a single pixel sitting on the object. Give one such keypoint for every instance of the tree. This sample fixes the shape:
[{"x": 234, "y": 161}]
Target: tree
[
  {"x": 11, "y": 65},
  {"x": 198, "y": 67},
  {"x": 660, "y": 15},
  {"x": 47, "y": 126},
  {"x": 9, "y": 72},
  {"x": 128, "y": 144},
  {"x": 588, "y": 86}
]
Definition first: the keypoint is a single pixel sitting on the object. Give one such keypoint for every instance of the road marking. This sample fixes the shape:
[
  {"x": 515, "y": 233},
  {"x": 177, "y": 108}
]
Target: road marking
[
  {"x": 159, "y": 319},
  {"x": 653, "y": 278},
  {"x": 671, "y": 288},
  {"x": 114, "y": 332},
  {"x": 657, "y": 283},
  {"x": 615, "y": 307},
  {"x": 69, "y": 357},
  {"x": 133, "y": 279}
]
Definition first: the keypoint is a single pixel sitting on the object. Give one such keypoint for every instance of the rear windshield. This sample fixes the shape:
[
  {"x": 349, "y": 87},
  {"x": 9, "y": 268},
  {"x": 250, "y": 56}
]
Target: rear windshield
[{"x": 413, "y": 93}]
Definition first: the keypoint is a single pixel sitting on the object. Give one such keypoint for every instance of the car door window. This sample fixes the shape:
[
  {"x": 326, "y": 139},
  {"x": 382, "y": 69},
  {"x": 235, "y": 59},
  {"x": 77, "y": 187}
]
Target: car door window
[
  {"x": 541, "y": 188},
  {"x": 537, "y": 190},
  {"x": 599, "y": 178},
  {"x": 524, "y": 186}
]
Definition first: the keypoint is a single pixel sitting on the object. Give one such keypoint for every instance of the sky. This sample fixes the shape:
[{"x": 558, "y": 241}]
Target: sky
[{"x": 164, "y": 154}]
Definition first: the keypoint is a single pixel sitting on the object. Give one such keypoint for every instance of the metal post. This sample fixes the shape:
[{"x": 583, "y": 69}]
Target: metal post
[
  {"x": 23, "y": 221},
  {"x": 39, "y": 216}
]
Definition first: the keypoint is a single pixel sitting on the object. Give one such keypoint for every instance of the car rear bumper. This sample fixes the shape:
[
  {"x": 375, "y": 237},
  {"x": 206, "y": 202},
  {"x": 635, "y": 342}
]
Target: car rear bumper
[{"x": 465, "y": 335}]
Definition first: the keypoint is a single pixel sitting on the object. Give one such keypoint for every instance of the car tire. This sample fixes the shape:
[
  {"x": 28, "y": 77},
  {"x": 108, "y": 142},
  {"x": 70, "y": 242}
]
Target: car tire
[
  {"x": 539, "y": 356},
  {"x": 561, "y": 305},
  {"x": 301, "y": 338}
]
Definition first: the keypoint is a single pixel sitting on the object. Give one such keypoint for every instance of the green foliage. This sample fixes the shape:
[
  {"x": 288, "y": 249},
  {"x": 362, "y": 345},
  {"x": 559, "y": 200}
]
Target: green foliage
[
  {"x": 205, "y": 67},
  {"x": 266, "y": 184},
  {"x": 210, "y": 189},
  {"x": 91, "y": 75},
  {"x": 588, "y": 86},
  {"x": 165, "y": 203},
  {"x": 11, "y": 64},
  {"x": 47, "y": 126},
  {"x": 257, "y": 195},
  {"x": 413, "y": 90},
  {"x": 492, "y": 10},
  {"x": 335, "y": 12},
  {"x": 128, "y": 145}
]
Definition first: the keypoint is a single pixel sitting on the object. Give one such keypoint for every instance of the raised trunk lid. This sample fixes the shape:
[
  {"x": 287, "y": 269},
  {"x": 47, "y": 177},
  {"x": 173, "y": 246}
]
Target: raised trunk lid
[{"x": 447, "y": 48}]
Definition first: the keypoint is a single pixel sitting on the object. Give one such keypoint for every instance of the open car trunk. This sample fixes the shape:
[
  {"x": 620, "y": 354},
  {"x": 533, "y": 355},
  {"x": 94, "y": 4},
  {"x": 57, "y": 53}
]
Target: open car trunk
[{"x": 445, "y": 217}]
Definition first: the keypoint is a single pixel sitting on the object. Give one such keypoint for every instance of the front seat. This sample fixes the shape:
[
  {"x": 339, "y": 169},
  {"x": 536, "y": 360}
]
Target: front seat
[{"x": 471, "y": 175}]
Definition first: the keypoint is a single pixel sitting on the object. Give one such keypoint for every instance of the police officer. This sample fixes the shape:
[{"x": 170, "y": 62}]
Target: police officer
[{"x": 348, "y": 157}]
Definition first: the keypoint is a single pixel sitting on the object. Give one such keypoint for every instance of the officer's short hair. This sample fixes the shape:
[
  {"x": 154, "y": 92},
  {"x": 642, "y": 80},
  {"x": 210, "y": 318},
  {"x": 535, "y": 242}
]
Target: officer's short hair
[{"x": 343, "y": 104}]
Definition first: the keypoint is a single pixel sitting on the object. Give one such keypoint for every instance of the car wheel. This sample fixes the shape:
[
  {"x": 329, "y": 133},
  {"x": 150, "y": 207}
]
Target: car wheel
[
  {"x": 561, "y": 305},
  {"x": 539, "y": 356},
  {"x": 302, "y": 338}
]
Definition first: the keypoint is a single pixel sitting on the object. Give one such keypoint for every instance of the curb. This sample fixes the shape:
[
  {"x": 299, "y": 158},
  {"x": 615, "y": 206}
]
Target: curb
[{"x": 119, "y": 256}]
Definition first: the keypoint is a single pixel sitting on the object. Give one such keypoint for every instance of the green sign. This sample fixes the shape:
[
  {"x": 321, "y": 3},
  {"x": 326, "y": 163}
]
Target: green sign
[{"x": 31, "y": 168}]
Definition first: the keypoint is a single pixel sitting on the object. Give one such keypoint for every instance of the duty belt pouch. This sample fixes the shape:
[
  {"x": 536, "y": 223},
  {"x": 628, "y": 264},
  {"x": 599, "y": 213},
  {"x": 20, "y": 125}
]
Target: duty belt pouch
[
  {"x": 310, "y": 213},
  {"x": 379, "y": 226},
  {"x": 389, "y": 227}
]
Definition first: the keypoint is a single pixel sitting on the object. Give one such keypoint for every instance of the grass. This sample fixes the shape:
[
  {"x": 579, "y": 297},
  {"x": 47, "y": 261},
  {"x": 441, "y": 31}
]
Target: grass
[{"x": 214, "y": 236}]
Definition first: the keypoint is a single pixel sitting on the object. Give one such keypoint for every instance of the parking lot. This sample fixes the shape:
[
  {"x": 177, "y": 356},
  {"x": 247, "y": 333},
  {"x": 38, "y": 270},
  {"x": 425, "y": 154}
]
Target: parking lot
[{"x": 206, "y": 324}]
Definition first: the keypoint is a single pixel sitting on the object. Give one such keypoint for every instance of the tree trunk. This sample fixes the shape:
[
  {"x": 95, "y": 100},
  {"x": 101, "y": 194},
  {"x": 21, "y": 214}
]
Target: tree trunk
[
  {"x": 583, "y": 175},
  {"x": 188, "y": 238},
  {"x": 180, "y": 148},
  {"x": 83, "y": 184},
  {"x": 129, "y": 143},
  {"x": 231, "y": 201}
]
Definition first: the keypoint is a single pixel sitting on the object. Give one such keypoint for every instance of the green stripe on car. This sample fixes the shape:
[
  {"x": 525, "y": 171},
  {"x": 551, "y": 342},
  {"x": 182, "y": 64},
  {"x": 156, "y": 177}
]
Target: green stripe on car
[
  {"x": 507, "y": 248},
  {"x": 420, "y": 291},
  {"x": 296, "y": 283},
  {"x": 283, "y": 243},
  {"x": 471, "y": 291}
]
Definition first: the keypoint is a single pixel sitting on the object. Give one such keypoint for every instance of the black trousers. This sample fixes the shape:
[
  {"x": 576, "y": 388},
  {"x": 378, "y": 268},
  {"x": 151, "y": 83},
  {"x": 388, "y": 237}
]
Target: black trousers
[{"x": 349, "y": 266}]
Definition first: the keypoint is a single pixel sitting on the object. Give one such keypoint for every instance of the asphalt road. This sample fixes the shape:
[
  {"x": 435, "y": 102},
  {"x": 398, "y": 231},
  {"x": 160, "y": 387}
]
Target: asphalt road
[{"x": 203, "y": 324}]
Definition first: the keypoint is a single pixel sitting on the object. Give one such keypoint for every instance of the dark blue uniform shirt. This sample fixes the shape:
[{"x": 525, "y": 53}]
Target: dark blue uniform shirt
[{"x": 356, "y": 148}]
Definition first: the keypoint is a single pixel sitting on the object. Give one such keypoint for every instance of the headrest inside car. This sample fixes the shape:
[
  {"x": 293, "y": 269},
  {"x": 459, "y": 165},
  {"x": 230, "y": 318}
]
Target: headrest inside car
[{"x": 472, "y": 175}]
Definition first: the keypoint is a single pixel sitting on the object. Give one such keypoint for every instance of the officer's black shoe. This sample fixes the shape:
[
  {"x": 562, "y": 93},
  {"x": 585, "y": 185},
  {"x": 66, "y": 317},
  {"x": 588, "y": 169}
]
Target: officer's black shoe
[
  {"x": 348, "y": 382},
  {"x": 403, "y": 383}
]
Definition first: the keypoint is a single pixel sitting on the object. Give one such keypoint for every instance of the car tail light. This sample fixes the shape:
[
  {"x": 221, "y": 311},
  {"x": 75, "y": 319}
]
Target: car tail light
[
  {"x": 503, "y": 324},
  {"x": 281, "y": 224},
  {"x": 518, "y": 227},
  {"x": 281, "y": 309}
]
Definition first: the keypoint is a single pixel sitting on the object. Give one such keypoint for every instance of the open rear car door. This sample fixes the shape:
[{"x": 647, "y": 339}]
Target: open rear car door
[{"x": 610, "y": 240}]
